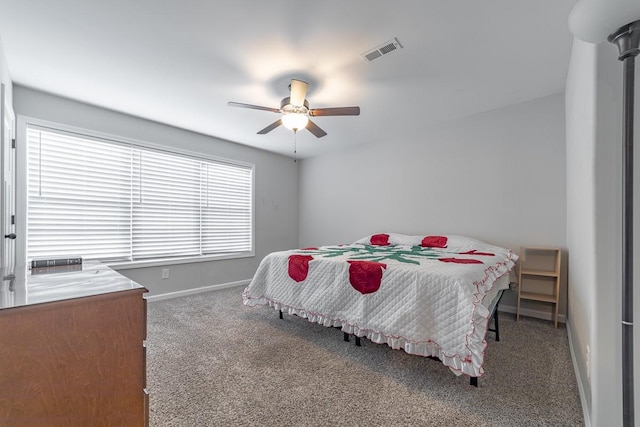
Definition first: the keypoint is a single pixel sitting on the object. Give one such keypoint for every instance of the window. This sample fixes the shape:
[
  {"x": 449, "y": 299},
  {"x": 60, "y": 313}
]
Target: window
[{"x": 113, "y": 201}]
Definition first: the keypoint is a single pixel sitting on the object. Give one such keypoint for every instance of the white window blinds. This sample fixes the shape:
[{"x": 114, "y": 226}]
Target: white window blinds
[{"x": 120, "y": 202}]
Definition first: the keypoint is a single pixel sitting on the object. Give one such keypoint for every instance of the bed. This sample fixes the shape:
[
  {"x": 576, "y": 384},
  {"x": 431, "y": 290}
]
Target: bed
[{"x": 428, "y": 295}]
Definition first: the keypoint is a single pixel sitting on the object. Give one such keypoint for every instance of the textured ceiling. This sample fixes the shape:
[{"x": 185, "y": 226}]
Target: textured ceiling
[{"x": 180, "y": 61}]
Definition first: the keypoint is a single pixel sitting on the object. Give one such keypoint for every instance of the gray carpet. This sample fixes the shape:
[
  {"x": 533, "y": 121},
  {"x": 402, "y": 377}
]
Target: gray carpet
[{"x": 213, "y": 362}]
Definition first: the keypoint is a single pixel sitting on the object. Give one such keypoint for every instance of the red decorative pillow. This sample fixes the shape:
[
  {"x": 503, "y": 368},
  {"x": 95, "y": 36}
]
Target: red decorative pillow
[
  {"x": 380, "y": 240},
  {"x": 434, "y": 242}
]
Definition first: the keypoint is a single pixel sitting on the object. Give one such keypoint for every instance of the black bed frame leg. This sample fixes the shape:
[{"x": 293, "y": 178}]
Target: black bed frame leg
[
  {"x": 280, "y": 313},
  {"x": 496, "y": 325},
  {"x": 473, "y": 381},
  {"x": 346, "y": 338}
]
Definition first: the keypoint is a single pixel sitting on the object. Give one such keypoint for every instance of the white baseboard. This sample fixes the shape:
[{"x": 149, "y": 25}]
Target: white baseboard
[
  {"x": 583, "y": 397},
  {"x": 531, "y": 313},
  {"x": 194, "y": 291}
]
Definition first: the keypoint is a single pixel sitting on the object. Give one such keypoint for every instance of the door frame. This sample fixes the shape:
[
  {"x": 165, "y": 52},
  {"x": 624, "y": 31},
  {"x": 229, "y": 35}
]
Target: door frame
[{"x": 8, "y": 166}]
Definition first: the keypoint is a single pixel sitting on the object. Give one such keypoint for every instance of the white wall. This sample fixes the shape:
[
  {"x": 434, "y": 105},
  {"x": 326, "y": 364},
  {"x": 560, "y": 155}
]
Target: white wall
[
  {"x": 276, "y": 204},
  {"x": 498, "y": 176},
  {"x": 606, "y": 354},
  {"x": 594, "y": 197},
  {"x": 581, "y": 239}
]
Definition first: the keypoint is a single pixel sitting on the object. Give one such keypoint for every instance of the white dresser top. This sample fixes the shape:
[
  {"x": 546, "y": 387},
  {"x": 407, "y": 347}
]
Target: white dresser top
[{"x": 51, "y": 284}]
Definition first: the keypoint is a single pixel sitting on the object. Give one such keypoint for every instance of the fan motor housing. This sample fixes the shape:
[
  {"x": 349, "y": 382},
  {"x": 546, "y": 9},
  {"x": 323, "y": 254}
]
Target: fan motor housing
[{"x": 286, "y": 107}]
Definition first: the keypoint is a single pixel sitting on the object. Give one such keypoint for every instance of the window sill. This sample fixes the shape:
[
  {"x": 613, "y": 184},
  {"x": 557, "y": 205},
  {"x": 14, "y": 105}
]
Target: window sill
[{"x": 174, "y": 261}]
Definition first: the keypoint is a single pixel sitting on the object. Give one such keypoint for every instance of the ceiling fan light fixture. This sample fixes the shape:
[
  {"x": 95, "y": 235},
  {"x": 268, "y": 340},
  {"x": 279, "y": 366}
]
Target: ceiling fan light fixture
[
  {"x": 295, "y": 121},
  {"x": 295, "y": 111}
]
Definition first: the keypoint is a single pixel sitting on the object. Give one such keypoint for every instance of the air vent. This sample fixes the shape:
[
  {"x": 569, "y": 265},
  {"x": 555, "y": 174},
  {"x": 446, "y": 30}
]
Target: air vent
[
  {"x": 381, "y": 50},
  {"x": 372, "y": 55}
]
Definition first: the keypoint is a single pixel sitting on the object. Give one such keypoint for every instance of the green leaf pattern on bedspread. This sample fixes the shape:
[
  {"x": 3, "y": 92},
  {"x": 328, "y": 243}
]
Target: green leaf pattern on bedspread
[{"x": 404, "y": 254}]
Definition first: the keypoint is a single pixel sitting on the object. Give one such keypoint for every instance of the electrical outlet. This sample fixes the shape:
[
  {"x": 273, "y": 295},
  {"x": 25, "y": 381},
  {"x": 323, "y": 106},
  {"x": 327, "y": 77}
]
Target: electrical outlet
[
  {"x": 588, "y": 361},
  {"x": 165, "y": 273}
]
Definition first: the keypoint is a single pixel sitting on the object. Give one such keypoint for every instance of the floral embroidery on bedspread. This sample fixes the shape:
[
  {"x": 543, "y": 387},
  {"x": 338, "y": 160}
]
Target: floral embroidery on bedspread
[
  {"x": 366, "y": 276},
  {"x": 299, "y": 267},
  {"x": 365, "y": 266},
  {"x": 461, "y": 260}
]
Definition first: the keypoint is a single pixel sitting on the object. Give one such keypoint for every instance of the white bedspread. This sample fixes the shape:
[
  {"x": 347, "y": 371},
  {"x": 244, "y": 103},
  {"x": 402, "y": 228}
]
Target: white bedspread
[{"x": 422, "y": 294}]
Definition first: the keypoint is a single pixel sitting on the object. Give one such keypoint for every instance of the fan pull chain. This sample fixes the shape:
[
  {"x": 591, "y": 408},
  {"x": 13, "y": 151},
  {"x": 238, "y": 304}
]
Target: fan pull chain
[{"x": 295, "y": 150}]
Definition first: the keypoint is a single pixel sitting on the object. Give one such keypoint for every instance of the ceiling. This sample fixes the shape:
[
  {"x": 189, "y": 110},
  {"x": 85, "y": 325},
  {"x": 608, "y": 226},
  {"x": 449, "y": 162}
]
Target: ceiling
[{"x": 180, "y": 61}]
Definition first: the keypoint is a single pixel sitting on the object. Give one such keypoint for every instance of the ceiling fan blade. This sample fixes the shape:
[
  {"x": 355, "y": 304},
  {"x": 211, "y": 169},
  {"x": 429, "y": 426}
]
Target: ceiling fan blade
[
  {"x": 315, "y": 129},
  {"x": 298, "y": 92},
  {"x": 271, "y": 127},
  {"x": 253, "y": 107},
  {"x": 340, "y": 111}
]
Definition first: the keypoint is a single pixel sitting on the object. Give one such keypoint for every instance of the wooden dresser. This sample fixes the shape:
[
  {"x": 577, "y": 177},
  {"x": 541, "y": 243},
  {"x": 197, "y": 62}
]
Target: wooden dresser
[{"x": 72, "y": 349}]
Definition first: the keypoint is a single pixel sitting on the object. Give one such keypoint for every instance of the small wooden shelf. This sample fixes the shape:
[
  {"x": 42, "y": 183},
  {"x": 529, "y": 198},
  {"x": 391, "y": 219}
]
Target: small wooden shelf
[
  {"x": 539, "y": 273},
  {"x": 544, "y": 263},
  {"x": 537, "y": 297}
]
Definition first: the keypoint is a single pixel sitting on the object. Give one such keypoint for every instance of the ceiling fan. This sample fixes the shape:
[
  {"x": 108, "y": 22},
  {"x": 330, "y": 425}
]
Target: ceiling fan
[{"x": 295, "y": 111}]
